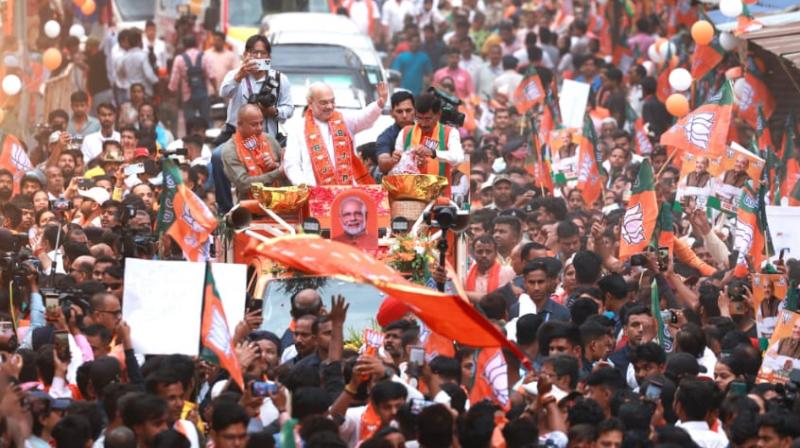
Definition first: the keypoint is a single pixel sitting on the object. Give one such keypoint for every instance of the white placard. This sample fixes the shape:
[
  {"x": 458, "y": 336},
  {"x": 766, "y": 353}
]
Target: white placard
[
  {"x": 781, "y": 221},
  {"x": 163, "y": 302},
  {"x": 572, "y": 100}
]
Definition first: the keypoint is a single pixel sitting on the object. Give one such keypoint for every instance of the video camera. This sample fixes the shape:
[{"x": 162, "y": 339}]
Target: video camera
[
  {"x": 66, "y": 298},
  {"x": 447, "y": 217},
  {"x": 450, "y": 113}
]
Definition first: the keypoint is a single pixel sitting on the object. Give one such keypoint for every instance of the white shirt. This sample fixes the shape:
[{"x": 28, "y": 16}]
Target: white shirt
[
  {"x": 709, "y": 361},
  {"x": 159, "y": 49},
  {"x": 507, "y": 82},
  {"x": 703, "y": 435},
  {"x": 297, "y": 160},
  {"x": 453, "y": 156},
  {"x": 359, "y": 14},
  {"x": 394, "y": 13},
  {"x": 93, "y": 145}
]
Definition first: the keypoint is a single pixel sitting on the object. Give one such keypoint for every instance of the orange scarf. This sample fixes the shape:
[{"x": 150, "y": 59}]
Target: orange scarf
[
  {"x": 494, "y": 277},
  {"x": 370, "y": 423},
  {"x": 324, "y": 171},
  {"x": 251, "y": 152},
  {"x": 437, "y": 141}
]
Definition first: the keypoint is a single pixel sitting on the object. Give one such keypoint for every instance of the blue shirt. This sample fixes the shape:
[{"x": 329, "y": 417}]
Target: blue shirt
[
  {"x": 384, "y": 144},
  {"x": 413, "y": 66}
]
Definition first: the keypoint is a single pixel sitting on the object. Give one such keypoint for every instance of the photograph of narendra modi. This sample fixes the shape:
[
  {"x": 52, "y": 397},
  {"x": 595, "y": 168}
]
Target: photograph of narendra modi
[{"x": 354, "y": 222}]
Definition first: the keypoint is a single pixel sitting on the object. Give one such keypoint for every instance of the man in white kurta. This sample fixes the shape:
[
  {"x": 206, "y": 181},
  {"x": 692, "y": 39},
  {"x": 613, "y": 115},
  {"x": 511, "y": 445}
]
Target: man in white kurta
[{"x": 297, "y": 160}]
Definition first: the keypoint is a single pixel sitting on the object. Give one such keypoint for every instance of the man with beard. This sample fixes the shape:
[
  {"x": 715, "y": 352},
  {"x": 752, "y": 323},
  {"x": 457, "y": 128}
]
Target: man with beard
[
  {"x": 769, "y": 306},
  {"x": 6, "y": 185},
  {"x": 737, "y": 176},
  {"x": 110, "y": 217},
  {"x": 67, "y": 163},
  {"x": 635, "y": 323},
  {"x": 81, "y": 123},
  {"x": 700, "y": 176},
  {"x": 19, "y": 214},
  {"x": 393, "y": 339},
  {"x": 32, "y": 182},
  {"x": 353, "y": 218},
  {"x": 487, "y": 274},
  {"x": 90, "y": 211},
  {"x": 93, "y": 143}
]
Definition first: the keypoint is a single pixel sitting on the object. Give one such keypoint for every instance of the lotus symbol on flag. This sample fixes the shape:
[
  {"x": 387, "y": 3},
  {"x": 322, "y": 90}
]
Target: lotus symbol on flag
[
  {"x": 633, "y": 225},
  {"x": 746, "y": 95},
  {"x": 189, "y": 219},
  {"x": 219, "y": 337},
  {"x": 698, "y": 129},
  {"x": 532, "y": 91}
]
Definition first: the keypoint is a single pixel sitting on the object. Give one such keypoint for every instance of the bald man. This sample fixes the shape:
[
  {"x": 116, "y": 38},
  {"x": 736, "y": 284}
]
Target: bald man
[
  {"x": 251, "y": 156},
  {"x": 699, "y": 177},
  {"x": 737, "y": 176},
  {"x": 321, "y": 149}
]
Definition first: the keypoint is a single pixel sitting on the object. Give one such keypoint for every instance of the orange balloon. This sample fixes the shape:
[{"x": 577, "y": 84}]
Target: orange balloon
[
  {"x": 88, "y": 7},
  {"x": 51, "y": 58},
  {"x": 702, "y": 32},
  {"x": 677, "y": 105},
  {"x": 79, "y": 3}
]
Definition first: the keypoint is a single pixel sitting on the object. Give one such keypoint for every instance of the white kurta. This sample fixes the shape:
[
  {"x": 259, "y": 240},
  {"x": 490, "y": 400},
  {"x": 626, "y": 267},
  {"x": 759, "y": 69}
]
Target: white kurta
[{"x": 297, "y": 161}]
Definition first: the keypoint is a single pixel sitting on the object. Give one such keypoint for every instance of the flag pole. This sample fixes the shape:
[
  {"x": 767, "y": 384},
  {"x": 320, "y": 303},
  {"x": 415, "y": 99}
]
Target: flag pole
[{"x": 206, "y": 271}]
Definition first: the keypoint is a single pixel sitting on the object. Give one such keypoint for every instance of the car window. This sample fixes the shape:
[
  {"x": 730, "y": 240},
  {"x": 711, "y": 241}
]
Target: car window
[{"x": 364, "y": 301}]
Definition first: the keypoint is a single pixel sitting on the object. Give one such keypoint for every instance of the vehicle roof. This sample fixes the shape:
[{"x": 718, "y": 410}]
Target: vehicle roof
[
  {"x": 293, "y": 36},
  {"x": 314, "y": 56},
  {"x": 310, "y": 21}
]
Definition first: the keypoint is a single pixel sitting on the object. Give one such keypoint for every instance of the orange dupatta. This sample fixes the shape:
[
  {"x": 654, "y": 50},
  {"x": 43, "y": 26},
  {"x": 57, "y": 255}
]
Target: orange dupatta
[
  {"x": 369, "y": 424},
  {"x": 347, "y": 168},
  {"x": 251, "y": 153},
  {"x": 494, "y": 277}
]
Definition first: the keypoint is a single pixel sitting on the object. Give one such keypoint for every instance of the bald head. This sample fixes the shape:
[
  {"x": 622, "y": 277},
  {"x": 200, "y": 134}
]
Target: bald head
[
  {"x": 321, "y": 101},
  {"x": 307, "y": 301},
  {"x": 121, "y": 437},
  {"x": 101, "y": 250},
  {"x": 250, "y": 121}
]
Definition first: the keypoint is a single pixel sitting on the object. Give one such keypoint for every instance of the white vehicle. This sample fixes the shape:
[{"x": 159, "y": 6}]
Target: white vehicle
[
  {"x": 133, "y": 13},
  {"x": 325, "y": 29}
]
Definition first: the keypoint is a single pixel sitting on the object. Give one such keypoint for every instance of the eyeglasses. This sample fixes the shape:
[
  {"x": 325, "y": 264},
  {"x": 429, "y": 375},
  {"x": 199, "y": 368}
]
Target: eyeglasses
[
  {"x": 114, "y": 313},
  {"x": 258, "y": 53}
]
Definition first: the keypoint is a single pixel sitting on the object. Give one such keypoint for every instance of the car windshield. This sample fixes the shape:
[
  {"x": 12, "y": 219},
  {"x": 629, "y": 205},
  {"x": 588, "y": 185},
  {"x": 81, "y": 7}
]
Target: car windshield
[
  {"x": 364, "y": 302},
  {"x": 135, "y": 10},
  {"x": 248, "y": 12}
]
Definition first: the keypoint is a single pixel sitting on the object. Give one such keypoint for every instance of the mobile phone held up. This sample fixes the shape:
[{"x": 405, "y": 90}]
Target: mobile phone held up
[{"x": 263, "y": 388}]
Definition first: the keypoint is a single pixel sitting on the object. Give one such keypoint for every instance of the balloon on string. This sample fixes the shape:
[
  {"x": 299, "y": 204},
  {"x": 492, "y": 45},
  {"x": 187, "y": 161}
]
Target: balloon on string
[
  {"x": 677, "y": 105},
  {"x": 653, "y": 54},
  {"x": 77, "y": 30},
  {"x": 680, "y": 79},
  {"x": 52, "y": 29},
  {"x": 667, "y": 49},
  {"x": 731, "y": 8},
  {"x": 742, "y": 89},
  {"x": 51, "y": 58},
  {"x": 728, "y": 41},
  {"x": 12, "y": 85},
  {"x": 702, "y": 32},
  {"x": 88, "y": 7}
]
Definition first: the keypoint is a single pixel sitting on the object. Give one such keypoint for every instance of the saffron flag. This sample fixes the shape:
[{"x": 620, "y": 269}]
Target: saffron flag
[
  {"x": 746, "y": 23},
  {"x": 590, "y": 183},
  {"x": 704, "y": 131},
  {"x": 789, "y": 169},
  {"x": 214, "y": 332},
  {"x": 537, "y": 162},
  {"x": 14, "y": 159},
  {"x": 529, "y": 92},
  {"x": 705, "y": 58},
  {"x": 642, "y": 143},
  {"x": 749, "y": 236},
  {"x": 641, "y": 214},
  {"x": 451, "y": 316},
  {"x": 184, "y": 216},
  {"x": 754, "y": 94}
]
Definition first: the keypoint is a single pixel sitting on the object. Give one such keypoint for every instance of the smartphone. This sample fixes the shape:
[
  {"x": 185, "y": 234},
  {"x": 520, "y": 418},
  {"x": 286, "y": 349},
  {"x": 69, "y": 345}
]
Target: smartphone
[
  {"x": 263, "y": 65},
  {"x": 51, "y": 303},
  {"x": 738, "y": 388},
  {"x": 61, "y": 345},
  {"x": 136, "y": 168},
  {"x": 417, "y": 356},
  {"x": 85, "y": 184},
  {"x": 417, "y": 405},
  {"x": 6, "y": 328},
  {"x": 663, "y": 258},
  {"x": 653, "y": 391},
  {"x": 263, "y": 388}
]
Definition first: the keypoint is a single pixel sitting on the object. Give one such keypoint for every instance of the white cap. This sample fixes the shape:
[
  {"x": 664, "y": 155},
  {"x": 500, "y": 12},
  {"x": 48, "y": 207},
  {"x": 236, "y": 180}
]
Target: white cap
[{"x": 97, "y": 194}]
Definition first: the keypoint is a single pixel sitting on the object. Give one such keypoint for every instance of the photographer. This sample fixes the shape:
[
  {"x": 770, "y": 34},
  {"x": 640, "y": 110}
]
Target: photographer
[{"x": 436, "y": 146}]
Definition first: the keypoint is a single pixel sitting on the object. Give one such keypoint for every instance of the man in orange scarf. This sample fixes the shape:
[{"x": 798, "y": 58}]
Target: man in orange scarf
[
  {"x": 320, "y": 149},
  {"x": 486, "y": 275},
  {"x": 251, "y": 156}
]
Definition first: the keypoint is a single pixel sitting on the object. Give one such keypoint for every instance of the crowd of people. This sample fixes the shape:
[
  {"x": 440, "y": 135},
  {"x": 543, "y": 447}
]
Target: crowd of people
[{"x": 657, "y": 349}]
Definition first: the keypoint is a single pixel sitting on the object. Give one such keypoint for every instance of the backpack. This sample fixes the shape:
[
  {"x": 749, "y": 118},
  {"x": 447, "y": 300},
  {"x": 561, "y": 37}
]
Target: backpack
[{"x": 195, "y": 77}]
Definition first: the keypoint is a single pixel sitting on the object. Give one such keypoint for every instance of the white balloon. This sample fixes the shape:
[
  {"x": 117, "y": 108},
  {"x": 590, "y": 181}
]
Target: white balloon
[
  {"x": 731, "y": 8},
  {"x": 77, "y": 30},
  {"x": 11, "y": 60},
  {"x": 52, "y": 29},
  {"x": 668, "y": 50},
  {"x": 728, "y": 41},
  {"x": 650, "y": 67},
  {"x": 12, "y": 85},
  {"x": 680, "y": 79},
  {"x": 654, "y": 55},
  {"x": 741, "y": 88}
]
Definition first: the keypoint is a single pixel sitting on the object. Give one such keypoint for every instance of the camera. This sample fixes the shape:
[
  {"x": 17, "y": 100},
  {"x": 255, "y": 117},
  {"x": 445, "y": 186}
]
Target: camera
[
  {"x": 447, "y": 217},
  {"x": 75, "y": 143},
  {"x": 450, "y": 113},
  {"x": 266, "y": 97}
]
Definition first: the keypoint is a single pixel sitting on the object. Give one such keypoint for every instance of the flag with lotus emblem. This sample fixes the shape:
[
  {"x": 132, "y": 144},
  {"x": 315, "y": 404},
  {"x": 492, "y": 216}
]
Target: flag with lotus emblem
[
  {"x": 214, "y": 333},
  {"x": 704, "y": 131},
  {"x": 640, "y": 217},
  {"x": 749, "y": 237},
  {"x": 529, "y": 92}
]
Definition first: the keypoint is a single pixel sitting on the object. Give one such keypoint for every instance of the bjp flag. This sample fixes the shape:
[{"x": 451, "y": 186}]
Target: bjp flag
[
  {"x": 705, "y": 58},
  {"x": 704, "y": 131},
  {"x": 214, "y": 333},
  {"x": 529, "y": 92},
  {"x": 643, "y": 145},
  {"x": 749, "y": 237},
  {"x": 184, "y": 216},
  {"x": 746, "y": 23},
  {"x": 641, "y": 215},
  {"x": 754, "y": 93},
  {"x": 14, "y": 159},
  {"x": 590, "y": 183}
]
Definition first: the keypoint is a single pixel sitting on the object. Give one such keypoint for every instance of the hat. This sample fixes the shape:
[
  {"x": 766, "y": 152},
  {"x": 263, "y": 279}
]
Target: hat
[
  {"x": 113, "y": 155},
  {"x": 501, "y": 178},
  {"x": 54, "y": 136},
  {"x": 515, "y": 148},
  {"x": 141, "y": 152},
  {"x": 97, "y": 194},
  {"x": 515, "y": 212},
  {"x": 36, "y": 176},
  {"x": 680, "y": 364}
]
